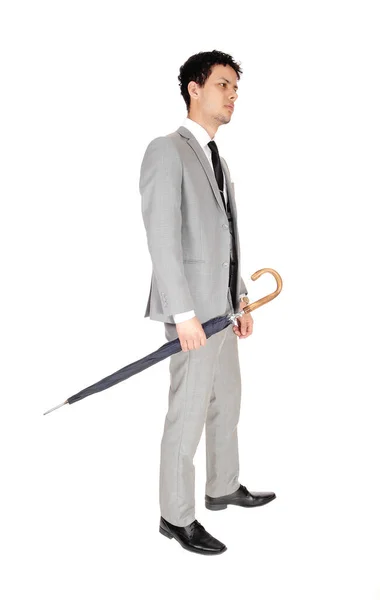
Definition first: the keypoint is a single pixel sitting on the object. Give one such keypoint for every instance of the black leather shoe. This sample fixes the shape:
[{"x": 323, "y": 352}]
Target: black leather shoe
[
  {"x": 192, "y": 537},
  {"x": 242, "y": 497}
]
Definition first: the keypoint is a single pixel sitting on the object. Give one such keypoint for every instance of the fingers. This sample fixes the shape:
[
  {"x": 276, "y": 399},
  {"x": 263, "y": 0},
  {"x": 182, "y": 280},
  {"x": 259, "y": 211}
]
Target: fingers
[
  {"x": 191, "y": 334},
  {"x": 245, "y": 329},
  {"x": 193, "y": 343}
]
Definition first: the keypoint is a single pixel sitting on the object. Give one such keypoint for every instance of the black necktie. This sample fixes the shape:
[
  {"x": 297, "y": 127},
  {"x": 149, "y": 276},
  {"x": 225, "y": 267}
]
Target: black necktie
[{"x": 217, "y": 168}]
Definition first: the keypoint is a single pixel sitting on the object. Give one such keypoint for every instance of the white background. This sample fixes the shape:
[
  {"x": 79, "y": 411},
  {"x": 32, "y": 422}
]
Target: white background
[{"x": 85, "y": 87}]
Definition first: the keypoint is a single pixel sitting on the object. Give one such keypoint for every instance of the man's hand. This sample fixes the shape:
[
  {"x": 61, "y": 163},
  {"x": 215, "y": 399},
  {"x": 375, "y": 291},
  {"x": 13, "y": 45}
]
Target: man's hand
[
  {"x": 191, "y": 334},
  {"x": 245, "y": 322}
]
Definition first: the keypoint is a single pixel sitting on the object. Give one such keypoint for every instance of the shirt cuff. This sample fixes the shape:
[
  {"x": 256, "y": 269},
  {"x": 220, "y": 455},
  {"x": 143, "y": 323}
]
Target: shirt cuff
[{"x": 180, "y": 317}]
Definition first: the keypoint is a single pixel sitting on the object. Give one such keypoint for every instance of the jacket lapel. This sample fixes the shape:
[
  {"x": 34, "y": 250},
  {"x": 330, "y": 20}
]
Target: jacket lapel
[
  {"x": 230, "y": 189},
  {"x": 205, "y": 164},
  {"x": 231, "y": 196}
]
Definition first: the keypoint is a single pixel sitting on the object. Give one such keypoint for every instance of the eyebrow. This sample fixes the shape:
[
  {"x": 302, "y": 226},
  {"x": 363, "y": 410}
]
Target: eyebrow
[{"x": 228, "y": 81}]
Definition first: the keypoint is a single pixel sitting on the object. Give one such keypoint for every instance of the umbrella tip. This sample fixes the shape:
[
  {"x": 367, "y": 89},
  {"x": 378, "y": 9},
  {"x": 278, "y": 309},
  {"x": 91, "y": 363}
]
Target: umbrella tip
[{"x": 55, "y": 407}]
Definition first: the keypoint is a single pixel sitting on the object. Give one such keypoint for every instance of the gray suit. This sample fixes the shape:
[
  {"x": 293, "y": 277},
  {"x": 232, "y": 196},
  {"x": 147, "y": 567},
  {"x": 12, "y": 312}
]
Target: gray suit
[
  {"x": 187, "y": 229},
  {"x": 189, "y": 243}
]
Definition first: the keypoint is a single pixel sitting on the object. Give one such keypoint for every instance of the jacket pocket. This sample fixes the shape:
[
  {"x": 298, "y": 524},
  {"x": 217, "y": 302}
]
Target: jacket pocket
[{"x": 193, "y": 260}]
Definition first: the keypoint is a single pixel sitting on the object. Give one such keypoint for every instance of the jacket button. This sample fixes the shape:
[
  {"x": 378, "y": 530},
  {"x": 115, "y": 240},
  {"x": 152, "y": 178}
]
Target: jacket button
[
  {"x": 225, "y": 264},
  {"x": 225, "y": 226}
]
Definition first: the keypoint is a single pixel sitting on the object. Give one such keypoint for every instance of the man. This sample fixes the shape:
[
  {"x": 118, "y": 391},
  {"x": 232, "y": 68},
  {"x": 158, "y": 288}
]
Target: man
[{"x": 189, "y": 212}]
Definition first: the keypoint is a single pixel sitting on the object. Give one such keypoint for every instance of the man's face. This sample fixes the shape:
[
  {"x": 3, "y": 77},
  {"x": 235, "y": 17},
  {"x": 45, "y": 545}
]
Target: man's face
[{"x": 219, "y": 91}]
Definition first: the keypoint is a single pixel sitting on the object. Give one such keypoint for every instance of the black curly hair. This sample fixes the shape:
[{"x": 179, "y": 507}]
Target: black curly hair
[{"x": 198, "y": 68}]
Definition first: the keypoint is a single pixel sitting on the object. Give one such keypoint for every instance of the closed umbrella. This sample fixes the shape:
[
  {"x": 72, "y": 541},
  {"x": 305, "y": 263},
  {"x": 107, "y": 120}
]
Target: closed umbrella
[{"x": 210, "y": 327}]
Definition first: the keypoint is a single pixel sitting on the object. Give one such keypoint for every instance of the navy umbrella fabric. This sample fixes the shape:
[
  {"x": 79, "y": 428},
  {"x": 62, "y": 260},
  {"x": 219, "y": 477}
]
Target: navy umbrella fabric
[{"x": 211, "y": 327}]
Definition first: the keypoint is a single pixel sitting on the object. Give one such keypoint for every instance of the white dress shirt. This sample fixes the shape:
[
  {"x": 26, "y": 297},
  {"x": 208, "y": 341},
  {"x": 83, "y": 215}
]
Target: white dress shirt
[{"x": 203, "y": 139}]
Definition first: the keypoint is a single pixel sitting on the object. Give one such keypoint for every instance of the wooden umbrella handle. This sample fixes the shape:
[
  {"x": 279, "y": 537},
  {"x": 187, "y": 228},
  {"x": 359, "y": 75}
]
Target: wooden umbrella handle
[{"x": 269, "y": 297}]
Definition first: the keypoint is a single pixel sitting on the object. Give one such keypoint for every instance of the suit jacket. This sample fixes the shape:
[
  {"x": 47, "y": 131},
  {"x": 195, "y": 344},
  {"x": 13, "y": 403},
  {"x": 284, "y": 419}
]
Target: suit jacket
[{"x": 187, "y": 229}]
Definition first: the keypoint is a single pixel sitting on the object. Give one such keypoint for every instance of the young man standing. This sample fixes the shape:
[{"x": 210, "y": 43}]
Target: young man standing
[{"x": 189, "y": 212}]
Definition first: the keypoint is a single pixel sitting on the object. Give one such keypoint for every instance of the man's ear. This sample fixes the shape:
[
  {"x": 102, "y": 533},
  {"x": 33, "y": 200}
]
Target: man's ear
[{"x": 192, "y": 88}]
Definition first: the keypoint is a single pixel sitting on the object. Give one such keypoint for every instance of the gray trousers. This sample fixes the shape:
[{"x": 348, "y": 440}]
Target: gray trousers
[{"x": 205, "y": 389}]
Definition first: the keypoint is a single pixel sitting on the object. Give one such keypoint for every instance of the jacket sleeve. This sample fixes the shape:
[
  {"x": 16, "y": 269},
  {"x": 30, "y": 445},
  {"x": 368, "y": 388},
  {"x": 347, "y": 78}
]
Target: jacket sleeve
[{"x": 160, "y": 188}]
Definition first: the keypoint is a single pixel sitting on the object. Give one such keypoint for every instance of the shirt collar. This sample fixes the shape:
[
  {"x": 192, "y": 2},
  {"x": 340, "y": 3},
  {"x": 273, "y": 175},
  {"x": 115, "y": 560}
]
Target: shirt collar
[{"x": 198, "y": 131}]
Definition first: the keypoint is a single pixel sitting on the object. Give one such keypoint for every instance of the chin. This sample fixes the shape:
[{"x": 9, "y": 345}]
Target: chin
[{"x": 222, "y": 119}]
